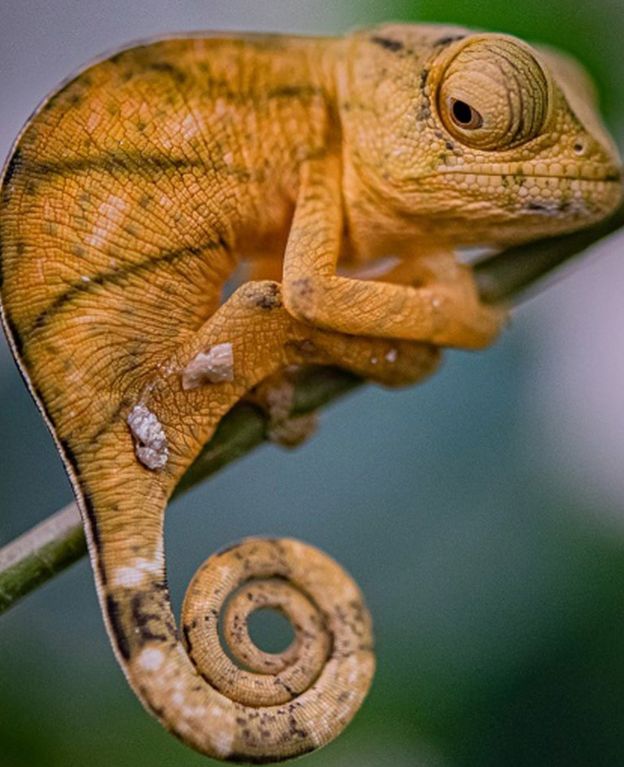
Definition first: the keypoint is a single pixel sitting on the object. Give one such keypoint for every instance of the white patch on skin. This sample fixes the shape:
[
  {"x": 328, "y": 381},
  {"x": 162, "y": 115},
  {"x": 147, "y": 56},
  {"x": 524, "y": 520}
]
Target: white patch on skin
[
  {"x": 391, "y": 355},
  {"x": 94, "y": 119},
  {"x": 150, "y": 440},
  {"x": 223, "y": 741},
  {"x": 151, "y": 659},
  {"x": 110, "y": 212},
  {"x": 214, "y": 366},
  {"x": 136, "y": 573},
  {"x": 191, "y": 126}
]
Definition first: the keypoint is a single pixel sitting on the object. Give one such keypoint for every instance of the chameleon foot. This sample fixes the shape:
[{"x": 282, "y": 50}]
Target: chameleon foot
[{"x": 276, "y": 397}]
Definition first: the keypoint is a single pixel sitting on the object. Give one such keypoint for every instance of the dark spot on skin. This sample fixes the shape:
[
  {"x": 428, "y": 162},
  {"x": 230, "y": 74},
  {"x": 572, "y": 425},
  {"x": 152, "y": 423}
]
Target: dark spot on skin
[
  {"x": 303, "y": 287},
  {"x": 425, "y": 111},
  {"x": 270, "y": 297},
  {"x": 536, "y": 206},
  {"x": 450, "y": 146},
  {"x": 157, "y": 711},
  {"x": 175, "y": 72},
  {"x": 423, "y": 79},
  {"x": 79, "y": 251},
  {"x": 95, "y": 531},
  {"x": 114, "y": 616},
  {"x": 295, "y": 731},
  {"x": 13, "y": 166},
  {"x": 142, "y": 619},
  {"x": 286, "y": 687},
  {"x": 448, "y": 39},
  {"x": 294, "y": 91},
  {"x": 387, "y": 43},
  {"x": 343, "y": 697}
]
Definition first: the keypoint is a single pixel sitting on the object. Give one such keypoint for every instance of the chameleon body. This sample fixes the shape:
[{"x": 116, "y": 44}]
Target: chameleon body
[{"x": 344, "y": 174}]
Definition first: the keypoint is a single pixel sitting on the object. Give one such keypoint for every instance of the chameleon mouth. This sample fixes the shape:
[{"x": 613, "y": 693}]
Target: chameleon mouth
[{"x": 598, "y": 176}]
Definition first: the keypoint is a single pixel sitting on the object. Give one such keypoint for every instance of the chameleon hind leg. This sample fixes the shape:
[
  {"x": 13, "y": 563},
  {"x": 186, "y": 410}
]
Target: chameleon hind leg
[{"x": 266, "y": 708}]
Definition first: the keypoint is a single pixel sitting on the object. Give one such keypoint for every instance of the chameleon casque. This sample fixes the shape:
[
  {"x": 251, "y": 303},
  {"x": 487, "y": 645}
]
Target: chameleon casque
[{"x": 132, "y": 196}]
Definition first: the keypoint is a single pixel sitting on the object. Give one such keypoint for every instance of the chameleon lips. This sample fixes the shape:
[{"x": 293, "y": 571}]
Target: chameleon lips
[
  {"x": 559, "y": 172},
  {"x": 603, "y": 189}
]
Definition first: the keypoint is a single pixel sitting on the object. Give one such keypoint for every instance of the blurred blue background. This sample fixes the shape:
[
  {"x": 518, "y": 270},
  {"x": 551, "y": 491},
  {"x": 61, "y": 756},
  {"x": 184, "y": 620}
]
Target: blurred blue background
[{"x": 482, "y": 513}]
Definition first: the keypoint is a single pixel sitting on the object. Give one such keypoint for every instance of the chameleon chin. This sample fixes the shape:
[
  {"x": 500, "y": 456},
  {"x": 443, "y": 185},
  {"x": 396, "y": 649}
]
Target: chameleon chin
[{"x": 130, "y": 198}]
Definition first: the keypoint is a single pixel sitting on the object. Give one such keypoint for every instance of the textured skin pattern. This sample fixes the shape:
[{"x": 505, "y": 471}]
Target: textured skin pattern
[{"x": 130, "y": 199}]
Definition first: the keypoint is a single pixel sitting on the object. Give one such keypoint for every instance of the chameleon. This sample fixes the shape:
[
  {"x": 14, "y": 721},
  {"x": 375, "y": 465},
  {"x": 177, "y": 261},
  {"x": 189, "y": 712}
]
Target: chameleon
[{"x": 185, "y": 220}]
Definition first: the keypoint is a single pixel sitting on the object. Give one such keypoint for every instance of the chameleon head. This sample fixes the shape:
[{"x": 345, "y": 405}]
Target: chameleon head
[{"x": 474, "y": 137}]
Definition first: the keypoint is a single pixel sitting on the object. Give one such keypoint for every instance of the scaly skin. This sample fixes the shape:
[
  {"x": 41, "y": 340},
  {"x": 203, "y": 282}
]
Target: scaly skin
[{"x": 129, "y": 200}]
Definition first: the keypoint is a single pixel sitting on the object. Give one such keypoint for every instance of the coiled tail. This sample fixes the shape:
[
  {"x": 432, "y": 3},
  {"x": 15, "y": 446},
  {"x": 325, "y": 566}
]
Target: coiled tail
[{"x": 237, "y": 702}]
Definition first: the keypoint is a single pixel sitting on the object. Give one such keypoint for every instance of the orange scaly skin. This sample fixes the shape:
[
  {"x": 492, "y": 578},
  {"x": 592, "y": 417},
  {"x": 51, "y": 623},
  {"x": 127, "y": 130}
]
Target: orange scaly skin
[{"x": 131, "y": 197}]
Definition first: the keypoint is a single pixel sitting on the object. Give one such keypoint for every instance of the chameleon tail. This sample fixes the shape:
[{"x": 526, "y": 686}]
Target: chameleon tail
[{"x": 239, "y": 703}]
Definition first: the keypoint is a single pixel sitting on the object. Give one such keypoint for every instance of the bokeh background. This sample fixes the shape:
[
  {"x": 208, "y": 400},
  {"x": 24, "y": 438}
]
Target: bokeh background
[{"x": 482, "y": 513}]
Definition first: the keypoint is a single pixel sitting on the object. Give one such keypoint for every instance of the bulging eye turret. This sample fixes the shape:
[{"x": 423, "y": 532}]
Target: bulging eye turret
[{"x": 493, "y": 94}]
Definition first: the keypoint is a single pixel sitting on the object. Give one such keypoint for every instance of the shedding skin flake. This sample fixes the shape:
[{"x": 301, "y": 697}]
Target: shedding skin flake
[
  {"x": 150, "y": 440},
  {"x": 214, "y": 366}
]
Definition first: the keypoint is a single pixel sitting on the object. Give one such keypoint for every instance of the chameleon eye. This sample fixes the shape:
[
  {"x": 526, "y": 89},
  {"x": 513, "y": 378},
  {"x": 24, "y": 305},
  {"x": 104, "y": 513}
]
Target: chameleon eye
[
  {"x": 464, "y": 115},
  {"x": 492, "y": 93}
]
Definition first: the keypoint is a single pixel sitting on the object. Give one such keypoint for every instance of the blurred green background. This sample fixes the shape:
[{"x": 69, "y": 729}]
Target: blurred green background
[{"x": 482, "y": 513}]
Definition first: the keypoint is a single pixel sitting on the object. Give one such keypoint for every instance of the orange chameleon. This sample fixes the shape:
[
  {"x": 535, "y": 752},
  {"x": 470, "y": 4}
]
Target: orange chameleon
[{"x": 138, "y": 189}]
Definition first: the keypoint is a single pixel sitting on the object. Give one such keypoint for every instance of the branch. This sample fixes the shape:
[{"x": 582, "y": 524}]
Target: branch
[{"x": 50, "y": 547}]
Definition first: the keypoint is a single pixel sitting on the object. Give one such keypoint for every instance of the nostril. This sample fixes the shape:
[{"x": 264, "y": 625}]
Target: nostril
[{"x": 579, "y": 148}]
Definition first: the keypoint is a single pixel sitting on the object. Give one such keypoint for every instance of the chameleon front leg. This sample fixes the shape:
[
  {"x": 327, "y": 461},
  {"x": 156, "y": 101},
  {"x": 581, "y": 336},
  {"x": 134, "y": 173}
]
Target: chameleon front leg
[
  {"x": 445, "y": 313},
  {"x": 257, "y": 707}
]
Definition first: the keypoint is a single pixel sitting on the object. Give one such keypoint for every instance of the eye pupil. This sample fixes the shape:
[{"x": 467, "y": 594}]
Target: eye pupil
[{"x": 462, "y": 112}]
